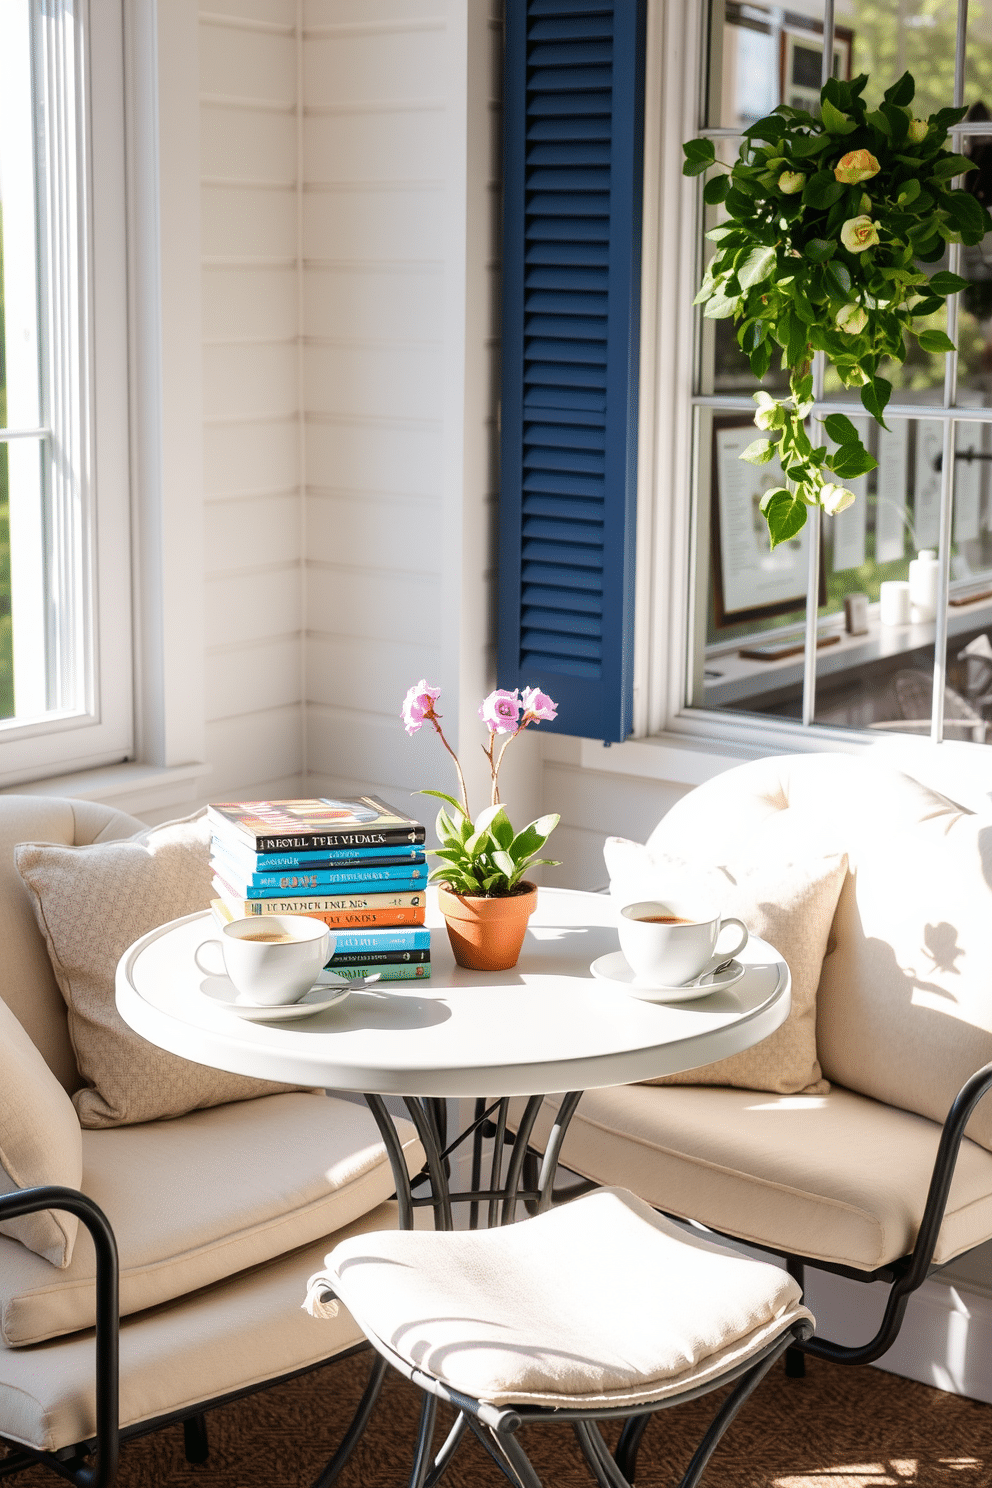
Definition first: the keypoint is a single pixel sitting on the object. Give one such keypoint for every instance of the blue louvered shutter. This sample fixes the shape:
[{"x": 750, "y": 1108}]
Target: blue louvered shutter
[{"x": 571, "y": 279}]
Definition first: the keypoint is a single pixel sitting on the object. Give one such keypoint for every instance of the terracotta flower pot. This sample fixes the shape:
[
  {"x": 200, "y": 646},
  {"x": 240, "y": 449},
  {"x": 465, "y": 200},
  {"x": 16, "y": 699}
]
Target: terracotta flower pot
[{"x": 486, "y": 934}]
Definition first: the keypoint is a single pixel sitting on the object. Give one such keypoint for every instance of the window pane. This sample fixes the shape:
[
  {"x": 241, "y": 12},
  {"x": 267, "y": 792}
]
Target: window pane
[
  {"x": 19, "y": 372},
  {"x": 748, "y": 597},
  {"x": 763, "y": 55}
]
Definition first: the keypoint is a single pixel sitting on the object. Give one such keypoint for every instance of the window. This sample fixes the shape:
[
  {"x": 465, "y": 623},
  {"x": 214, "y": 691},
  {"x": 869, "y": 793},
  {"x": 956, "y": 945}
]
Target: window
[
  {"x": 768, "y": 637},
  {"x": 65, "y": 657}
]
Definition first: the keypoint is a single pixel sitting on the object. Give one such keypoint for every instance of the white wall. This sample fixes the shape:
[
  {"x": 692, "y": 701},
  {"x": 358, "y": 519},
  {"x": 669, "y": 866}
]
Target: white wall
[
  {"x": 399, "y": 231},
  {"x": 252, "y": 468}
]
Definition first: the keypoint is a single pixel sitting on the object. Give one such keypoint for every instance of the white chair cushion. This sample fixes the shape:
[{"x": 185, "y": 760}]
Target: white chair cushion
[
  {"x": 40, "y": 1141},
  {"x": 785, "y": 895},
  {"x": 838, "y": 1178},
  {"x": 905, "y": 1001},
  {"x": 601, "y": 1302},
  {"x": 200, "y": 1198},
  {"x": 228, "y": 1337}
]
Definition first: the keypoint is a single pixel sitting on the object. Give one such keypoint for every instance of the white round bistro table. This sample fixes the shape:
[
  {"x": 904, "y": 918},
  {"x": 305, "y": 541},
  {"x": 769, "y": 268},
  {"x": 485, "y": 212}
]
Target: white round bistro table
[{"x": 546, "y": 1027}]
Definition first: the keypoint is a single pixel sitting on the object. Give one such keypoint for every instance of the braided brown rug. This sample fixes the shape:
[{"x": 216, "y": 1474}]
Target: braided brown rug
[{"x": 838, "y": 1428}]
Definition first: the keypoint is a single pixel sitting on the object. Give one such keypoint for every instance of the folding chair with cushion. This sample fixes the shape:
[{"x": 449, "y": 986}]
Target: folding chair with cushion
[
  {"x": 149, "y": 1268},
  {"x": 595, "y": 1310}
]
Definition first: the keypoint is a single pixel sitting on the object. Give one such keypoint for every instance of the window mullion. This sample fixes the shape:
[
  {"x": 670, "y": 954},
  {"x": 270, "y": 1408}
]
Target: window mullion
[{"x": 816, "y": 526}]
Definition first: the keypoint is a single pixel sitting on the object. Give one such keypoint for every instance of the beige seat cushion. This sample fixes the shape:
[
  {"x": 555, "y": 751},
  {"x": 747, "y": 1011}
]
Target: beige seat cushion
[
  {"x": 229, "y": 1337},
  {"x": 91, "y": 903},
  {"x": 29, "y": 986},
  {"x": 600, "y": 1302},
  {"x": 201, "y": 1198},
  {"x": 837, "y": 1178},
  {"x": 783, "y": 895},
  {"x": 40, "y": 1141},
  {"x": 905, "y": 1002}
]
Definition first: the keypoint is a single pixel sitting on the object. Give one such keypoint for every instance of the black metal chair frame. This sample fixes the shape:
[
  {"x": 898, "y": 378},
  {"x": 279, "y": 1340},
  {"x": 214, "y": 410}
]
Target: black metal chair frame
[{"x": 93, "y": 1463}]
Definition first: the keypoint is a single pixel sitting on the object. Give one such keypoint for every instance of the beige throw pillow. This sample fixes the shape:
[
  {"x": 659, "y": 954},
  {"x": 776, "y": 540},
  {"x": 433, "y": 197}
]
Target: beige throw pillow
[
  {"x": 40, "y": 1141},
  {"x": 789, "y": 903},
  {"x": 91, "y": 903}
]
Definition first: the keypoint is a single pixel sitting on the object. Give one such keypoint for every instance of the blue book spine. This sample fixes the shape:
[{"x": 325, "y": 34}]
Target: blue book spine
[
  {"x": 344, "y": 857},
  {"x": 407, "y": 880},
  {"x": 347, "y": 941}
]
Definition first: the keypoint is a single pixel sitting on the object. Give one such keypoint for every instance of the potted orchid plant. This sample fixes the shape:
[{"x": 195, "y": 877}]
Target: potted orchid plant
[
  {"x": 830, "y": 222},
  {"x": 484, "y": 896}
]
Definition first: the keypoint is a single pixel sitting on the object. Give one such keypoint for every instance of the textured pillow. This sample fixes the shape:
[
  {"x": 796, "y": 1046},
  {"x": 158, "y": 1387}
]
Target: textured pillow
[
  {"x": 40, "y": 1141},
  {"x": 905, "y": 1002},
  {"x": 91, "y": 903},
  {"x": 789, "y": 903}
]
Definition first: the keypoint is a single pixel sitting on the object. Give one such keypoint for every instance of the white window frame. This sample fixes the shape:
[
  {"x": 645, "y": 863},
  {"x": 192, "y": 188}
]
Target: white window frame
[
  {"x": 671, "y": 740},
  {"x": 90, "y": 350}
]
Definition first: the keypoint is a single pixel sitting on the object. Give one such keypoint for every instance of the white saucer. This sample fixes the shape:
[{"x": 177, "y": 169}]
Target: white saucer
[
  {"x": 614, "y": 969},
  {"x": 325, "y": 994}
]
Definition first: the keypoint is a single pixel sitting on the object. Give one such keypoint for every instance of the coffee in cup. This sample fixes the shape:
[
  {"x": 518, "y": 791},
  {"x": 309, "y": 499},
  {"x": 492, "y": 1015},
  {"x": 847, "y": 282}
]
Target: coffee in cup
[
  {"x": 271, "y": 963},
  {"x": 668, "y": 942}
]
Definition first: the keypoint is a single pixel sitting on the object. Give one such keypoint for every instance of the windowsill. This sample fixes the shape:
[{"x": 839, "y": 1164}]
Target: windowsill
[
  {"x": 956, "y": 769},
  {"x": 131, "y": 787}
]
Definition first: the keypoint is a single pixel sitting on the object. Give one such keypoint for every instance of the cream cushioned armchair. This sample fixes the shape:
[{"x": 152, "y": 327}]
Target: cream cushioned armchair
[
  {"x": 874, "y": 1178},
  {"x": 220, "y": 1216}
]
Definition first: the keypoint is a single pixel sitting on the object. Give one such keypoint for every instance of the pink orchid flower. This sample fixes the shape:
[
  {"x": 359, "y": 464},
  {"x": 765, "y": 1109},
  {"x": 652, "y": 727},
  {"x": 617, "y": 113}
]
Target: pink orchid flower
[
  {"x": 538, "y": 706},
  {"x": 418, "y": 706},
  {"x": 501, "y": 711}
]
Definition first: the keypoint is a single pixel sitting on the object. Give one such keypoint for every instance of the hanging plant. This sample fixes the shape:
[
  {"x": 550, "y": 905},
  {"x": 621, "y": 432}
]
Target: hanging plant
[{"x": 830, "y": 219}]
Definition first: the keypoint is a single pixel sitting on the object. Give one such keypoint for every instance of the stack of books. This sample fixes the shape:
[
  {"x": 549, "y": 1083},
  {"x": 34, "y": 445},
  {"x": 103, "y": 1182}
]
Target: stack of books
[{"x": 357, "y": 865}]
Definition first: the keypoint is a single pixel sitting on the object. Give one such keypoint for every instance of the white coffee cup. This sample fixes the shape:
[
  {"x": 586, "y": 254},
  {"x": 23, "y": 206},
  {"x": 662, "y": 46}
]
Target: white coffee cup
[
  {"x": 668, "y": 942},
  {"x": 272, "y": 959}
]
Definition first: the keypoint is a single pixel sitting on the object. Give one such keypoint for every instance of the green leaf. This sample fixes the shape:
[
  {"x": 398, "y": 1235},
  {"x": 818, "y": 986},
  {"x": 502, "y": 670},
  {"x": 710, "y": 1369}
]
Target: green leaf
[
  {"x": 909, "y": 192},
  {"x": 818, "y": 250},
  {"x": 835, "y": 121},
  {"x": 759, "y": 452},
  {"x": 769, "y": 128},
  {"x": 822, "y": 190},
  {"x": 875, "y": 395},
  {"x": 795, "y": 349},
  {"x": 720, "y": 308},
  {"x": 945, "y": 283},
  {"x": 699, "y": 155},
  {"x": 485, "y": 819},
  {"x": 761, "y": 359},
  {"x": 739, "y": 205},
  {"x": 902, "y": 91},
  {"x": 806, "y": 145},
  {"x": 935, "y": 341},
  {"x": 967, "y": 215},
  {"x": 533, "y": 836},
  {"x": 946, "y": 166},
  {"x": 443, "y": 796},
  {"x": 504, "y": 863},
  {"x": 784, "y": 513},
  {"x": 715, "y": 190},
  {"x": 838, "y": 278},
  {"x": 850, "y": 461},
  {"x": 898, "y": 123},
  {"x": 756, "y": 267},
  {"x": 877, "y": 120},
  {"x": 840, "y": 429},
  {"x": 928, "y": 306},
  {"x": 945, "y": 117}
]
